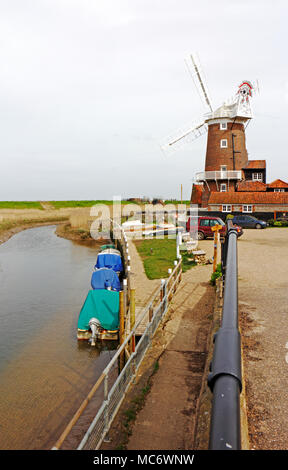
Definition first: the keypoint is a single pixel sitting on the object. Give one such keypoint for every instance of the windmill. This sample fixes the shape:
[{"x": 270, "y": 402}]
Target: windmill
[{"x": 238, "y": 105}]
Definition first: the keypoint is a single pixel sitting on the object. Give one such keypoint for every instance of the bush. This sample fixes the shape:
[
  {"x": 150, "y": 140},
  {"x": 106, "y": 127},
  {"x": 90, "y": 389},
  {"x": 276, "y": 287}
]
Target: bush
[
  {"x": 271, "y": 222},
  {"x": 216, "y": 274}
]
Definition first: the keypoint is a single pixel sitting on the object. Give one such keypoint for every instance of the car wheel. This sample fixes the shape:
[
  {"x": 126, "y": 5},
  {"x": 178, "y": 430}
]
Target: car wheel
[
  {"x": 258, "y": 226},
  {"x": 201, "y": 236}
]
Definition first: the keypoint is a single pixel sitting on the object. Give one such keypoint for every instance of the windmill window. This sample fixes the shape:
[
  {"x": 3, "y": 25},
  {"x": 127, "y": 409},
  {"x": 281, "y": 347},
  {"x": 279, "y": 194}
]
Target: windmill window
[
  {"x": 223, "y": 187},
  {"x": 223, "y": 143},
  {"x": 226, "y": 208},
  {"x": 223, "y": 126}
]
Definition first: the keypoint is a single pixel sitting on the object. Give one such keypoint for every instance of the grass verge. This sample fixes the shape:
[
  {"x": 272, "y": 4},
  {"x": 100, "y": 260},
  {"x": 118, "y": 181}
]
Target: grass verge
[{"x": 158, "y": 255}]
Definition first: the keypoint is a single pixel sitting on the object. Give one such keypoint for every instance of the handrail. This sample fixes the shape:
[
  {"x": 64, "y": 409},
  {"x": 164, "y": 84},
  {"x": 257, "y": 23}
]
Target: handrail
[
  {"x": 225, "y": 379},
  {"x": 121, "y": 349}
]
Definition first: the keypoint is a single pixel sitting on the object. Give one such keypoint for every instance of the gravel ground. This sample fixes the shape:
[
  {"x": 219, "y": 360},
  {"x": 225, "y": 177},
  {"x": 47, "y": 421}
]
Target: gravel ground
[{"x": 263, "y": 309}]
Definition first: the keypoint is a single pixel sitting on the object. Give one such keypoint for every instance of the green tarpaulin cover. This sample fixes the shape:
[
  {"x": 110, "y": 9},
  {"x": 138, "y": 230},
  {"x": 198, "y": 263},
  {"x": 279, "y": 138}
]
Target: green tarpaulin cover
[{"x": 103, "y": 305}]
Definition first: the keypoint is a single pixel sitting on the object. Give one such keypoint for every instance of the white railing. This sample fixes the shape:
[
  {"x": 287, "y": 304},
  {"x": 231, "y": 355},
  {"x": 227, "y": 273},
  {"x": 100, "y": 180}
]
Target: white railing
[
  {"x": 113, "y": 389},
  {"x": 219, "y": 175}
]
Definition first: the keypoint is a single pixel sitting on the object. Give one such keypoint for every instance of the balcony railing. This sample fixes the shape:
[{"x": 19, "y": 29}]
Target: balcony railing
[{"x": 219, "y": 175}]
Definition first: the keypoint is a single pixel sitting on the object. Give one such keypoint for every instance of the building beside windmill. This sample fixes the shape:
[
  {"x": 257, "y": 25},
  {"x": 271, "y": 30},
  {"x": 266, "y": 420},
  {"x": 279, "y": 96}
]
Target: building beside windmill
[{"x": 230, "y": 182}]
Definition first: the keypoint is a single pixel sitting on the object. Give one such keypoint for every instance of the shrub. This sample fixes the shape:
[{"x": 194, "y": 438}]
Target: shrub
[
  {"x": 216, "y": 274},
  {"x": 271, "y": 222}
]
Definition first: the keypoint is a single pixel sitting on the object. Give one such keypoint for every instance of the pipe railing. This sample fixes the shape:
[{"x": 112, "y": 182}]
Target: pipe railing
[{"x": 225, "y": 379}]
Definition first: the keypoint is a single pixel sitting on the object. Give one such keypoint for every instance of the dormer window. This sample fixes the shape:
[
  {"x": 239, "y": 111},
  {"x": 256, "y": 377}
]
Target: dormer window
[
  {"x": 223, "y": 143},
  {"x": 223, "y": 126},
  {"x": 257, "y": 177}
]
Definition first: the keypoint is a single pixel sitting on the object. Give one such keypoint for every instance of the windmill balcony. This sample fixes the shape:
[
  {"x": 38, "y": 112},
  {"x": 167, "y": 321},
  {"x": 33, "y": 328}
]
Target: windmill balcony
[{"x": 219, "y": 175}]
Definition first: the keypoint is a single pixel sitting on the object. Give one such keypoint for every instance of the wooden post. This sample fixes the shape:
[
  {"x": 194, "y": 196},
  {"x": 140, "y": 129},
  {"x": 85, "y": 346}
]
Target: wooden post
[
  {"x": 121, "y": 328},
  {"x": 132, "y": 318},
  {"x": 125, "y": 303},
  {"x": 150, "y": 312},
  {"x": 215, "y": 229}
]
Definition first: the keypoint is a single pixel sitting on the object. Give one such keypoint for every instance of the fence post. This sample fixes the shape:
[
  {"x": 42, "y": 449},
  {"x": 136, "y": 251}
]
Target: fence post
[
  {"x": 121, "y": 328},
  {"x": 150, "y": 312},
  {"x": 132, "y": 319},
  {"x": 106, "y": 426}
]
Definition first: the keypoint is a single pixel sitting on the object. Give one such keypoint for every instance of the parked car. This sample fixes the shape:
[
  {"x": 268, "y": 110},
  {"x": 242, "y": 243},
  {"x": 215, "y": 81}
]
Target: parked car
[
  {"x": 248, "y": 221},
  {"x": 205, "y": 224}
]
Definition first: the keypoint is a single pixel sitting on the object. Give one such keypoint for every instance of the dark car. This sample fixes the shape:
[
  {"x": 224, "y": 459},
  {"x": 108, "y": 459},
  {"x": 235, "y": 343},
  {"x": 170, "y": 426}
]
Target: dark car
[
  {"x": 205, "y": 225},
  {"x": 248, "y": 221}
]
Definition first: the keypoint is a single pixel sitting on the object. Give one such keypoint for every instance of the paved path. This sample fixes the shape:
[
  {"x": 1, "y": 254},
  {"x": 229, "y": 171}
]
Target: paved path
[
  {"x": 168, "y": 418},
  {"x": 263, "y": 301}
]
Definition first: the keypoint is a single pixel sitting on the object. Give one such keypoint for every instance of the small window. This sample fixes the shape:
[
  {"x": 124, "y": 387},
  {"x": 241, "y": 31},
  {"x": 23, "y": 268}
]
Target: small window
[
  {"x": 223, "y": 168},
  {"x": 223, "y": 126},
  {"x": 223, "y": 187},
  {"x": 247, "y": 208},
  {"x": 223, "y": 143},
  {"x": 257, "y": 176},
  {"x": 226, "y": 208},
  {"x": 279, "y": 190}
]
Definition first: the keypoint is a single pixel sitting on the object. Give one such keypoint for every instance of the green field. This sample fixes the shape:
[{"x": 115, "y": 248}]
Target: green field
[
  {"x": 68, "y": 204},
  {"x": 63, "y": 204},
  {"x": 158, "y": 255},
  {"x": 20, "y": 205}
]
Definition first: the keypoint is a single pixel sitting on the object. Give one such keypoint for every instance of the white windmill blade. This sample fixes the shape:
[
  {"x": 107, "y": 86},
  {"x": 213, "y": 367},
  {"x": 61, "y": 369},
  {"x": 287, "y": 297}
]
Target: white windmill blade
[
  {"x": 195, "y": 70},
  {"x": 183, "y": 137}
]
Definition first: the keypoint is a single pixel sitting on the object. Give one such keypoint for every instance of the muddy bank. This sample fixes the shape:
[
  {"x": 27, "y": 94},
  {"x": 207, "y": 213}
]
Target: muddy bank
[
  {"x": 5, "y": 234},
  {"x": 78, "y": 235}
]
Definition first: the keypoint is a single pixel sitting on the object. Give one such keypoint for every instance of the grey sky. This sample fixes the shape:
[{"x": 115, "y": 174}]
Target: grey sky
[{"x": 89, "y": 88}]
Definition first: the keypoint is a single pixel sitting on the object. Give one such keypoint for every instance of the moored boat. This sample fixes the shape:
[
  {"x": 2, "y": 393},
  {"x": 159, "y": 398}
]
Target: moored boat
[{"x": 99, "y": 316}]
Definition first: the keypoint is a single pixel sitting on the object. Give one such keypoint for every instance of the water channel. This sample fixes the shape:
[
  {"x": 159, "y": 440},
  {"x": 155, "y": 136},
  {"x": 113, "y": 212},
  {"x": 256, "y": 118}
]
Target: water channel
[{"x": 44, "y": 373}]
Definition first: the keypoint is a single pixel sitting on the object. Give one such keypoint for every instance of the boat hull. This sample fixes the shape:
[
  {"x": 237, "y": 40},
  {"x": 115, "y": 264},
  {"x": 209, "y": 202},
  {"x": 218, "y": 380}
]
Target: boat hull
[{"x": 105, "y": 335}]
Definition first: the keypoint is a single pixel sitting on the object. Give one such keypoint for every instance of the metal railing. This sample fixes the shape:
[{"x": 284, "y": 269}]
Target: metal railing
[
  {"x": 225, "y": 379},
  {"x": 219, "y": 175},
  {"x": 114, "y": 394}
]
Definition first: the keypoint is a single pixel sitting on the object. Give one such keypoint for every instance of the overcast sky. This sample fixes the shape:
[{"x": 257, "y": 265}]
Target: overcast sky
[{"x": 89, "y": 89}]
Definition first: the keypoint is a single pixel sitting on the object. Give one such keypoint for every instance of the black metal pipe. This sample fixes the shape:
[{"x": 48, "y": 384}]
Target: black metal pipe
[
  {"x": 225, "y": 379},
  {"x": 225, "y": 429}
]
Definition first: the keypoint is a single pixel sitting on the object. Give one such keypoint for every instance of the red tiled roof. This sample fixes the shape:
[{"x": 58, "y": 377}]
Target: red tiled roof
[
  {"x": 251, "y": 197},
  {"x": 255, "y": 165},
  {"x": 278, "y": 184},
  {"x": 251, "y": 186}
]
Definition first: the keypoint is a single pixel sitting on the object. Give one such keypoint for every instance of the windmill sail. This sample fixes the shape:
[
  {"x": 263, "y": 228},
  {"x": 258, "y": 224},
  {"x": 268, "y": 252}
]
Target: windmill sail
[
  {"x": 184, "y": 136},
  {"x": 194, "y": 69}
]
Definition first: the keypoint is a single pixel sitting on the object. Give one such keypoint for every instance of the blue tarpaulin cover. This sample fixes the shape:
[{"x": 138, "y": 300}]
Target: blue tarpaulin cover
[
  {"x": 109, "y": 260},
  {"x": 103, "y": 278},
  {"x": 103, "y": 305}
]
